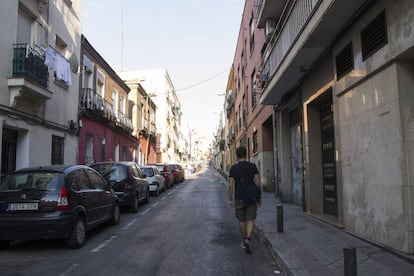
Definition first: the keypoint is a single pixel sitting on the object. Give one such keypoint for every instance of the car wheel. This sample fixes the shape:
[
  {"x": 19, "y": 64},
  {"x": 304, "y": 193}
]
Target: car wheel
[
  {"x": 147, "y": 197},
  {"x": 4, "y": 244},
  {"x": 77, "y": 237},
  {"x": 116, "y": 215},
  {"x": 157, "y": 192},
  {"x": 133, "y": 208}
]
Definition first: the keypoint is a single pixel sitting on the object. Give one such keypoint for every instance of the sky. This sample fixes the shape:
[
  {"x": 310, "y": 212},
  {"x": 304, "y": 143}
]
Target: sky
[{"x": 195, "y": 40}]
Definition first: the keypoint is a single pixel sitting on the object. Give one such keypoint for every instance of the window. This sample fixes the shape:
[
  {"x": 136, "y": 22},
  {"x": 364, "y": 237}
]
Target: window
[
  {"x": 255, "y": 145},
  {"x": 344, "y": 61},
  {"x": 251, "y": 35},
  {"x": 96, "y": 180},
  {"x": 57, "y": 149},
  {"x": 24, "y": 25},
  {"x": 100, "y": 83},
  {"x": 89, "y": 149},
  {"x": 124, "y": 153},
  {"x": 374, "y": 36},
  {"x": 80, "y": 180},
  {"x": 102, "y": 149},
  {"x": 60, "y": 45},
  {"x": 115, "y": 102},
  {"x": 122, "y": 103},
  {"x": 254, "y": 87}
]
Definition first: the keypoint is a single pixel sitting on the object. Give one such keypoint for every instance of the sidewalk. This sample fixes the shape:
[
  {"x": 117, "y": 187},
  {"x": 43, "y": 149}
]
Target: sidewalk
[{"x": 308, "y": 246}]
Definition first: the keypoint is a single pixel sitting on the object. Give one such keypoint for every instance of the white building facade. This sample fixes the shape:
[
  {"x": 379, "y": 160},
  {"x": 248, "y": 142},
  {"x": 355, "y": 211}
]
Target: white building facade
[
  {"x": 39, "y": 52},
  {"x": 159, "y": 86}
]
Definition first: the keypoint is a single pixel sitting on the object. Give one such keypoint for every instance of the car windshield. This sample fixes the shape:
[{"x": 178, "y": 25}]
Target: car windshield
[
  {"x": 160, "y": 168},
  {"x": 31, "y": 180},
  {"x": 111, "y": 171},
  {"x": 148, "y": 171}
]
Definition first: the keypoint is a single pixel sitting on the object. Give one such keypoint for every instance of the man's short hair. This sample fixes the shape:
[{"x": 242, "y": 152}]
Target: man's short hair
[{"x": 241, "y": 152}]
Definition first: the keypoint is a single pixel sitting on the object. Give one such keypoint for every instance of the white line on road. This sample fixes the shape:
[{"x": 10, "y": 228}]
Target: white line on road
[
  {"x": 146, "y": 211},
  {"x": 129, "y": 224},
  {"x": 102, "y": 245},
  {"x": 164, "y": 197},
  {"x": 70, "y": 269},
  {"x": 155, "y": 204}
]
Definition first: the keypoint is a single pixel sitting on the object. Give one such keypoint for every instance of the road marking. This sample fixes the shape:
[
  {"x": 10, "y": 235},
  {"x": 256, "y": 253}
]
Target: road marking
[
  {"x": 70, "y": 269},
  {"x": 164, "y": 197},
  {"x": 102, "y": 245},
  {"x": 146, "y": 211},
  {"x": 129, "y": 224},
  {"x": 155, "y": 204}
]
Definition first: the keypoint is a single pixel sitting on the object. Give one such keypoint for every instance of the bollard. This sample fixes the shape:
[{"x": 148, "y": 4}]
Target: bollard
[
  {"x": 350, "y": 264},
  {"x": 279, "y": 218}
]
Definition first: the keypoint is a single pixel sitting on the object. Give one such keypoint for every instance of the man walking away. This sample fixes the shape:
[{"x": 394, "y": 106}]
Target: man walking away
[{"x": 241, "y": 174}]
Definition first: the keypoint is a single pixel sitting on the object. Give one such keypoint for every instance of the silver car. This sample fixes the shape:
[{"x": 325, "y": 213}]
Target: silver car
[{"x": 154, "y": 178}]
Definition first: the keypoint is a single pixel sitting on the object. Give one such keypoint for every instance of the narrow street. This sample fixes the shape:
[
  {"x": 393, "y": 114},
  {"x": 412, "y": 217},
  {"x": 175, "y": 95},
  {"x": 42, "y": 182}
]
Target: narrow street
[{"x": 188, "y": 230}]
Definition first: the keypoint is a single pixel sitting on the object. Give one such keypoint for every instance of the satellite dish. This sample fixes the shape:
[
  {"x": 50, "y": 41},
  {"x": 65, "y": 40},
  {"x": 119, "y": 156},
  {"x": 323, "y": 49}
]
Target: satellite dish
[{"x": 74, "y": 64}]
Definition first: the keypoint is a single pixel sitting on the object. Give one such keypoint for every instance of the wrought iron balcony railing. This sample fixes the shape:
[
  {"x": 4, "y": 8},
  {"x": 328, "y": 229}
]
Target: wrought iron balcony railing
[
  {"x": 29, "y": 64},
  {"x": 283, "y": 40},
  {"x": 92, "y": 101}
]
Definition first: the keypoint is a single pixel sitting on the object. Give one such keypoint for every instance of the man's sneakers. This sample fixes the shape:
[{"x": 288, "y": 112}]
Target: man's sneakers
[{"x": 246, "y": 244}]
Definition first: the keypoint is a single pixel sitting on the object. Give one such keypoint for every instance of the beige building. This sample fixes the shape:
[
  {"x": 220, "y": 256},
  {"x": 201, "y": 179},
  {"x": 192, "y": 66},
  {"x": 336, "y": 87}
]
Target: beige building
[
  {"x": 340, "y": 74},
  {"x": 158, "y": 84},
  {"x": 39, "y": 57}
]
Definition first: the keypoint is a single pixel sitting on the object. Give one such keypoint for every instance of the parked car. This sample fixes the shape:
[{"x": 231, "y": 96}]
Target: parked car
[
  {"x": 167, "y": 173},
  {"x": 55, "y": 202},
  {"x": 154, "y": 178},
  {"x": 178, "y": 173},
  {"x": 182, "y": 172},
  {"x": 127, "y": 180}
]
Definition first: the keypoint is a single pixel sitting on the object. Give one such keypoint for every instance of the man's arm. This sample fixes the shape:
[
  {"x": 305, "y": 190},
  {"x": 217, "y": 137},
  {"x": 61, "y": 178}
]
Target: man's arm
[
  {"x": 230, "y": 191},
  {"x": 257, "y": 182}
]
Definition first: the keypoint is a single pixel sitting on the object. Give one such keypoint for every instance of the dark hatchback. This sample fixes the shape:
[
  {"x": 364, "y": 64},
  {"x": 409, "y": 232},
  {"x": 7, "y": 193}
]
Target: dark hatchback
[
  {"x": 127, "y": 180},
  {"x": 55, "y": 202}
]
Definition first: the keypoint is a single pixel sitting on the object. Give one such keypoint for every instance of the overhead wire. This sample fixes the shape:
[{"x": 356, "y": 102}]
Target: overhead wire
[{"x": 203, "y": 81}]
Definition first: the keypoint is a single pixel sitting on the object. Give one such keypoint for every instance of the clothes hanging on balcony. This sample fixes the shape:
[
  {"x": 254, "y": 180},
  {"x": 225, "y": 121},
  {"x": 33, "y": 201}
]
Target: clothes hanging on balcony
[{"x": 59, "y": 64}]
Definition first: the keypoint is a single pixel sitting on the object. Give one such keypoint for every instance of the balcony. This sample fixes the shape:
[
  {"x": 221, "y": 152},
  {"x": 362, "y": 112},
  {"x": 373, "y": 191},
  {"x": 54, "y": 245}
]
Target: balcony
[
  {"x": 94, "y": 104},
  {"x": 29, "y": 75},
  {"x": 305, "y": 30}
]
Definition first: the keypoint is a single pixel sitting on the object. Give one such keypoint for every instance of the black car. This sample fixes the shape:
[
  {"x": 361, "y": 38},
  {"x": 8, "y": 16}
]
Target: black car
[
  {"x": 55, "y": 202},
  {"x": 127, "y": 180}
]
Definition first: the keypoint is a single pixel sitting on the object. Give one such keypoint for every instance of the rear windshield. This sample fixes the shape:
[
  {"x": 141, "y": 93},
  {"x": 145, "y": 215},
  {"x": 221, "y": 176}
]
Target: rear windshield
[
  {"x": 148, "y": 171},
  {"x": 112, "y": 171},
  {"x": 160, "y": 168},
  {"x": 32, "y": 180}
]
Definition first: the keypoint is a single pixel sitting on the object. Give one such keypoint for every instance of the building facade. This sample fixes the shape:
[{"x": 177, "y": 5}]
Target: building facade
[
  {"x": 144, "y": 122},
  {"x": 105, "y": 113},
  {"x": 253, "y": 121},
  {"x": 158, "y": 84},
  {"x": 39, "y": 49},
  {"x": 340, "y": 75}
]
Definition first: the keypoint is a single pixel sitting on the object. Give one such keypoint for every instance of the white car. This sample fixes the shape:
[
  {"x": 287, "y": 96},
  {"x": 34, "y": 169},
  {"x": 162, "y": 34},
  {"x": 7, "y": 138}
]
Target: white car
[{"x": 155, "y": 179}]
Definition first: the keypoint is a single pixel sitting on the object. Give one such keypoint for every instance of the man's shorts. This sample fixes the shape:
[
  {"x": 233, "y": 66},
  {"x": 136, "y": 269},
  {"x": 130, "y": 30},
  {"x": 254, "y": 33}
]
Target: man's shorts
[{"x": 245, "y": 212}]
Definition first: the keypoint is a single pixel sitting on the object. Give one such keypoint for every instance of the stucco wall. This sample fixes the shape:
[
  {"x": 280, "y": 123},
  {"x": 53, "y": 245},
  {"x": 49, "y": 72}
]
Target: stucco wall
[{"x": 373, "y": 160}]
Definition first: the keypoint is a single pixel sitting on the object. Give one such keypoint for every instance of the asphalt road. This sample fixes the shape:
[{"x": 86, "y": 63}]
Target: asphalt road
[{"x": 188, "y": 230}]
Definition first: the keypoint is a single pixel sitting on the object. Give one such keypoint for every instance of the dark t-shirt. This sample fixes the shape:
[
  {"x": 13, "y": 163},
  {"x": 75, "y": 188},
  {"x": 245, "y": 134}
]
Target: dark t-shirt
[{"x": 243, "y": 168}]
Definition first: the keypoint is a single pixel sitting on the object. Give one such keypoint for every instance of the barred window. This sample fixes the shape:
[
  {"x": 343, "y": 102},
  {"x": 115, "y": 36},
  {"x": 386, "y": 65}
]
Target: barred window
[{"x": 57, "y": 149}]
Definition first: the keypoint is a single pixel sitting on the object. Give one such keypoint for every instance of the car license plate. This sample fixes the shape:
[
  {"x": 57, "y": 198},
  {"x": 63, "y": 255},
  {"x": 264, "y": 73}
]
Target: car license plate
[{"x": 23, "y": 206}]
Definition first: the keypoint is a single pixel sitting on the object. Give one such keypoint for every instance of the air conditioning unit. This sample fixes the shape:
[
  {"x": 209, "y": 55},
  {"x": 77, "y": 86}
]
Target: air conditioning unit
[{"x": 270, "y": 26}]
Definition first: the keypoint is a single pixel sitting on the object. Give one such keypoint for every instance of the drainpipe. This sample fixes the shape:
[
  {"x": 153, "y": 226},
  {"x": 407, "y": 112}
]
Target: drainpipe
[{"x": 275, "y": 153}]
